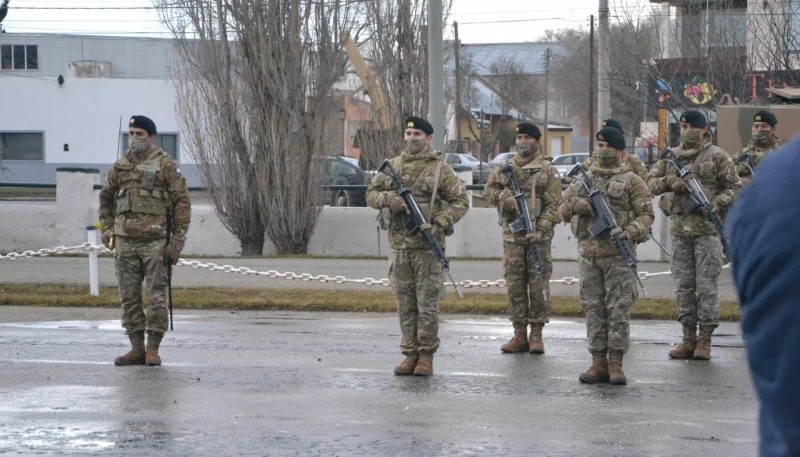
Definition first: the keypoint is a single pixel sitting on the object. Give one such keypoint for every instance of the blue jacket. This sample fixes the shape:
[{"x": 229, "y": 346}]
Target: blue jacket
[{"x": 763, "y": 230}]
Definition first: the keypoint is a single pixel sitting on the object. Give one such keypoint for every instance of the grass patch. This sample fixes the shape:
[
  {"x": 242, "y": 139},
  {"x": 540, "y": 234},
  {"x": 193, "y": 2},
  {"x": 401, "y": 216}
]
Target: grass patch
[{"x": 313, "y": 300}]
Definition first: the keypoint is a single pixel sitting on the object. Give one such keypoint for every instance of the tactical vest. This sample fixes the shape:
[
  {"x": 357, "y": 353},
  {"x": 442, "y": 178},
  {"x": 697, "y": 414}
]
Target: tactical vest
[
  {"x": 424, "y": 189},
  {"x": 703, "y": 169},
  {"x": 533, "y": 185},
  {"x": 615, "y": 190}
]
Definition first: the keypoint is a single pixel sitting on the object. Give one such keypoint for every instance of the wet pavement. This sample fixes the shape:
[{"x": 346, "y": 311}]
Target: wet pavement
[{"x": 288, "y": 383}]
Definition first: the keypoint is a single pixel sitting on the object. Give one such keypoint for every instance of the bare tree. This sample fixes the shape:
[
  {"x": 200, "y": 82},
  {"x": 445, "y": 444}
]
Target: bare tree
[{"x": 258, "y": 79}]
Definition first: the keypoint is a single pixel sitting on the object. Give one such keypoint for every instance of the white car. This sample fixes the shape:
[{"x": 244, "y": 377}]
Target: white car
[{"x": 564, "y": 163}]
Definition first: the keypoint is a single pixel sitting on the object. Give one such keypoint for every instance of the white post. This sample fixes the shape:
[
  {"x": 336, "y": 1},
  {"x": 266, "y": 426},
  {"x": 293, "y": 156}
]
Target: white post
[{"x": 91, "y": 236}]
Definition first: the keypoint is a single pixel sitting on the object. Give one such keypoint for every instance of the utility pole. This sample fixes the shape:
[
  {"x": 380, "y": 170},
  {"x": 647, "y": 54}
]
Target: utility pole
[
  {"x": 603, "y": 86},
  {"x": 547, "y": 54},
  {"x": 592, "y": 85},
  {"x": 458, "y": 89},
  {"x": 435, "y": 71}
]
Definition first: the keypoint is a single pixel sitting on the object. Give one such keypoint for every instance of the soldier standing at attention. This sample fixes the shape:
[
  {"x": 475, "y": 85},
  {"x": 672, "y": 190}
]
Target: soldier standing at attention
[
  {"x": 608, "y": 286},
  {"x": 761, "y": 143},
  {"x": 415, "y": 272},
  {"x": 538, "y": 179},
  {"x": 631, "y": 160},
  {"x": 697, "y": 256},
  {"x": 140, "y": 192}
]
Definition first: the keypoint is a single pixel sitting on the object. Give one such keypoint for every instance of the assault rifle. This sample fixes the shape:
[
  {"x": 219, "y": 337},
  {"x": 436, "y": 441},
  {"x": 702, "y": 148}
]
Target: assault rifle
[
  {"x": 606, "y": 223},
  {"x": 418, "y": 222},
  {"x": 697, "y": 198},
  {"x": 523, "y": 223},
  {"x": 746, "y": 160}
]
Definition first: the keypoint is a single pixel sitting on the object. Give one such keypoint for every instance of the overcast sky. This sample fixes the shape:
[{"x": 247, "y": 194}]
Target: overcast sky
[{"x": 480, "y": 21}]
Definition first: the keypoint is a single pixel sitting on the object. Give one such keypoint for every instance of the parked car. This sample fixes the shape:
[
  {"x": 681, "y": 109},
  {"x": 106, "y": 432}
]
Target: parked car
[
  {"x": 488, "y": 167},
  {"x": 565, "y": 162},
  {"x": 462, "y": 162},
  {"x": 343, "y": 171}
]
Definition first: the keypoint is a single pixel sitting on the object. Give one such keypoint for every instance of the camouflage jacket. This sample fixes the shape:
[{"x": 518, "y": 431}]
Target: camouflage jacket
[
  {"x": 628, "y": 199},
  {"x": 714, "y": 170},
  {"x": 137, "y": 193},
  {"x": 631, "y": 161},
  {"x": 756, "y": 156},
  {"x": 417, "y": 172},
  {"x": 538, "y": 179}
]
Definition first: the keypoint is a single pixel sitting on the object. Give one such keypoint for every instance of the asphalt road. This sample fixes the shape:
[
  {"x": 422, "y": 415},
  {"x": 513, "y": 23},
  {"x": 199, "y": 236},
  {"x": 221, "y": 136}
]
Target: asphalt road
[
  {"x": 288, "y": 384},
  {"x": 75, "y": 270}
]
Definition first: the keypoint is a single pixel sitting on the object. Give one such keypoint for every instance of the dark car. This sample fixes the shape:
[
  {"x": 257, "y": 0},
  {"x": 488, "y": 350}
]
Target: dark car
[{"x": 344, "y": 171}]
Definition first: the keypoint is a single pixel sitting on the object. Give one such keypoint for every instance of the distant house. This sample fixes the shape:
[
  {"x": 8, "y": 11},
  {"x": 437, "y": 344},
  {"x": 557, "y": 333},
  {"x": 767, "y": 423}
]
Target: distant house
[{"x": 494, "y": 111}]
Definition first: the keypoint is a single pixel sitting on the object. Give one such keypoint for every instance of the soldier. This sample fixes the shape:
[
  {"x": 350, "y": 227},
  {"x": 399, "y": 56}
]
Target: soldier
[
  {"x": 542, "y": 187},
  {"x": 631, "y": 160},
  {"x": 608, "y": 286},
  {"x": 140, "y": 192},
  {"x": 697, "y": 256},
  {"x": 415, "y": 272},
  {"x": 761, "y": 143}
]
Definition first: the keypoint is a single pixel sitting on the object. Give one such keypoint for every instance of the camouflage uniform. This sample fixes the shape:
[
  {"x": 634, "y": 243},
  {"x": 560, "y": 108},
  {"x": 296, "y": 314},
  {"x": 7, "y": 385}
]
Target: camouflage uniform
[
  {"x": 697, "y": 250},
  {"x": 415, "y": 273},
  {"x": 757, "y": 154},
  {"x": 608, "y": 287},
  {"x": 539, "y": 181},
  {"x": 138, "y": 217},
  {"x": 631, "y": 161}
]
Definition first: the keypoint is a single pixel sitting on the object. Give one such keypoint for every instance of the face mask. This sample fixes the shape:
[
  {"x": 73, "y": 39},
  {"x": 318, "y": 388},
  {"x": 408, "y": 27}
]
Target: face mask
[
  {"x": 763, "y": 139},
  {"x": 691, "y": 139},
  {"x": 137, "y": 145},
  {"x": 414, "y": 146},
  {"x": 526, "y": 149},
  {"x": 606, "y": 157}
]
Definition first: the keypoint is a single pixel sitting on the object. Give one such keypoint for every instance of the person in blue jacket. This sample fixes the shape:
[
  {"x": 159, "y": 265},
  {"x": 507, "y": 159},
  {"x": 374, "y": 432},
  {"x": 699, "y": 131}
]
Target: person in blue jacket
[{"x": 763, "y": 229}]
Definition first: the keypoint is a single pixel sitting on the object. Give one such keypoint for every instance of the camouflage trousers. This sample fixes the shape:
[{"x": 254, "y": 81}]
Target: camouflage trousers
[
  {"x": 140, "y": 261},
  {"x": 526, "y": 303},
  {"x": 696, "y": 267},
  {"x": 608, "y": 290},
  {"x": 417, "y": 278}
]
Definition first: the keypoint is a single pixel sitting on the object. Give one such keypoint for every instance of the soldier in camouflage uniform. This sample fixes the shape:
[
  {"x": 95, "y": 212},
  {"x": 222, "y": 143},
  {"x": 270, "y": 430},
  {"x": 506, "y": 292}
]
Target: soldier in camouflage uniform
[
  {"x": 761, "y": 143},
  {"x": 630, "y": 160},
  {"x": 140, "y": 190},
  {"x": 539, "y": 181},
  {"x": 608, "y": 286},
  {"x": 697, "y": 256},
  {"x": 415, "y": 272}
]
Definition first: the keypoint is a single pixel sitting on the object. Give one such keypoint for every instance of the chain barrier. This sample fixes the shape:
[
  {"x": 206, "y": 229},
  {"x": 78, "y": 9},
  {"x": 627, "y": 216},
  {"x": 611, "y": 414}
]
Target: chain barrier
[{"x": 322, "y": 278}]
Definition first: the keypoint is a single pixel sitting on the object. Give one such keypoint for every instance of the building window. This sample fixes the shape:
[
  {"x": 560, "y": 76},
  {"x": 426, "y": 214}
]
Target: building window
[
  {"x": 166, "y": 141},
  {"x": 793, "y": 17},
  {"x": 19, "y": 57},
  {"x": 22, "y": 146}
]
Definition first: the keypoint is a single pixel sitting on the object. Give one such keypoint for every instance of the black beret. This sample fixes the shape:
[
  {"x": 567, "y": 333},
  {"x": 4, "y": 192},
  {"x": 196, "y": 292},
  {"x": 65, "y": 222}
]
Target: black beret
[
  {"x": 766, "y": 116},
  {"x": 613, "y": 123},
  {"x": 694, "y": 118},
  {"x": 144, "y": 123},
  {"x": 530, "y": 129},
  {"x": 613, "y": 137},
  {"x": 414, "y": 122}
]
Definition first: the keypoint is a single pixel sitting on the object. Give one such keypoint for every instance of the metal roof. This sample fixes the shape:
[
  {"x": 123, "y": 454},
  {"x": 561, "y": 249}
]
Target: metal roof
[{"x": 531, "y": 56}]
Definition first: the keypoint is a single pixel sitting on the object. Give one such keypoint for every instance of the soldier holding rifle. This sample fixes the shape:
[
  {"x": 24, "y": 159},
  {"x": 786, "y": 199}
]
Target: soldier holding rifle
[
  {"x": 698, "y": 182},
  {"x": 608, "y": 273},
  {"x": 527, "y": 262},
  {"x": 416, "y": 272}
]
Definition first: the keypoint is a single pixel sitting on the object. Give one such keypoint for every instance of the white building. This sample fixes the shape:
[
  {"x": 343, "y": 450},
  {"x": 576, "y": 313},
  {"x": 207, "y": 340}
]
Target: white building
[{"x": 66, "y": 100}]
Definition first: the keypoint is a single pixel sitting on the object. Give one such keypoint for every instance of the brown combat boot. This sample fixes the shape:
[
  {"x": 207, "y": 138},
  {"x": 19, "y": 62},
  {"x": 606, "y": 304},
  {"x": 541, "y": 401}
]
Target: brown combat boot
[
  {"x": 151, "y": 357},
  {"x": 407, "y": 366},
  {"x": 703, "y": 349},
  {"x": 535, "y": 343},
  {"x": 686, "y": 349},
  {"x": 136, "y": 355},
  {"x": 599, "y": 370},
  {"x": 615, "y": 373},
  {"x": 424, "y": 365},
  {"x": 519, "y": 342}
]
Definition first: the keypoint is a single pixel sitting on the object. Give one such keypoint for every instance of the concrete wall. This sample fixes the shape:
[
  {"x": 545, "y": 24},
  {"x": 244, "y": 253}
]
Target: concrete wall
[{"x": 340, "y": 231}]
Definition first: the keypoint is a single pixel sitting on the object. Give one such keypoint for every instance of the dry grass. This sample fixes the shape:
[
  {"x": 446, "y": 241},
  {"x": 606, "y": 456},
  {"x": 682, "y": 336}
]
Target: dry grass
[{"x": 312, "y": 300}]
